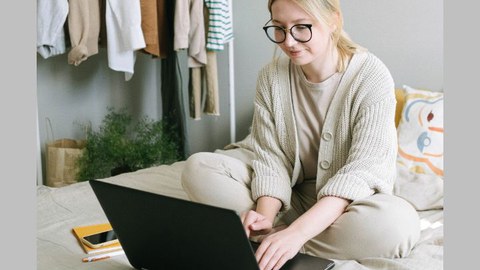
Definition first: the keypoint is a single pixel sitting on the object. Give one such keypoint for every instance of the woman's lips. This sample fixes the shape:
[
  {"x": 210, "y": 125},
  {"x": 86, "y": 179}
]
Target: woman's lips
[{"x": 295, "y": 53}]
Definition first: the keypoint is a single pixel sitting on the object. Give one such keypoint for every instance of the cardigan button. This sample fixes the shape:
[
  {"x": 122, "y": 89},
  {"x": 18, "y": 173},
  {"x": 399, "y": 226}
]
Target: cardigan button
[
  {"x": 327, "y": 136},
  {"x": 325, "y": 164}
]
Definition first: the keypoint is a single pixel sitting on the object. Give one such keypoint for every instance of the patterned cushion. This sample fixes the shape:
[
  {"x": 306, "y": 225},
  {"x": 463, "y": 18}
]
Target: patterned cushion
[{"x": 420, "y": 132}]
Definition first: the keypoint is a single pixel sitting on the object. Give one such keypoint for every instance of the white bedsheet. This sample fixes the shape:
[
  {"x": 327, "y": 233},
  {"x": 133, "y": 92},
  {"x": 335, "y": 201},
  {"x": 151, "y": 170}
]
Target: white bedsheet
[{"x": 61, "y": 209}]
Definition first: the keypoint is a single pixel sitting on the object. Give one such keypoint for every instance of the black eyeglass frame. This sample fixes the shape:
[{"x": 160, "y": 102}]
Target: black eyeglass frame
[{"x": 285, "y": 30}]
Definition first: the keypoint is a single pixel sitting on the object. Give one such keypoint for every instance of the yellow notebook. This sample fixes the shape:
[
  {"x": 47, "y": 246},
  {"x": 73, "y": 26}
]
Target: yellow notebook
[{"x": 82, "y": 231}]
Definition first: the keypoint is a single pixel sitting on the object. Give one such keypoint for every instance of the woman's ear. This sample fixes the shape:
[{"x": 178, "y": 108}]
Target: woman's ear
[{"x": 336, "y": 21}]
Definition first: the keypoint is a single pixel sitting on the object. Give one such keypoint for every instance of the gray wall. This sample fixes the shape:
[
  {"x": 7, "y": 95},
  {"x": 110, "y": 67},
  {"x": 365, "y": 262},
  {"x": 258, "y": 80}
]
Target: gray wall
[
  {"x": 406, "y": 34},
  {"x": 68, "y": 95}
]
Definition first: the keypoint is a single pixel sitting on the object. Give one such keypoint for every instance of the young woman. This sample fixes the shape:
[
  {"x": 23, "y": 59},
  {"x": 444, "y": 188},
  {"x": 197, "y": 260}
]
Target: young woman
[{"x": 316, "y": 173}]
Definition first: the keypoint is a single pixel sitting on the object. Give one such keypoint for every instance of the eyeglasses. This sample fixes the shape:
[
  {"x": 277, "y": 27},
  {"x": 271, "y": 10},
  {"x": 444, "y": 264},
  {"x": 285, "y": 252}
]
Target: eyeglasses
[{"x": 277, "y": 34}]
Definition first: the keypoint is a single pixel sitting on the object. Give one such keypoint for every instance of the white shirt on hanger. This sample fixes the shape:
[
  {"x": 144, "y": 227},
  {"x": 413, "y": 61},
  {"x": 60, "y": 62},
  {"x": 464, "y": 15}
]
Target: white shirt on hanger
[{"x": 124, "y": 34}]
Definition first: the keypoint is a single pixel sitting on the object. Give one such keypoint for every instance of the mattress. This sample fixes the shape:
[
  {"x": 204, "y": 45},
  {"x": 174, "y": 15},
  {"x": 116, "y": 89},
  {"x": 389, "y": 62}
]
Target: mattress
[{"x": 61, "y": 209}]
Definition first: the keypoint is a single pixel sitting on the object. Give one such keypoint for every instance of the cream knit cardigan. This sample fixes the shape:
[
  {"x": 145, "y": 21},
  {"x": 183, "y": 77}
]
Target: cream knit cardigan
[{"x": 358, "y": 144}]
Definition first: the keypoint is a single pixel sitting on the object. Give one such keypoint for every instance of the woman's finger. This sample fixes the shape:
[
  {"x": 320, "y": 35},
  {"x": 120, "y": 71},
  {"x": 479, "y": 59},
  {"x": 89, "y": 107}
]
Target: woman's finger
[
  {"x": 283, "y": 259},
  {"x": 273, "y": 261}
]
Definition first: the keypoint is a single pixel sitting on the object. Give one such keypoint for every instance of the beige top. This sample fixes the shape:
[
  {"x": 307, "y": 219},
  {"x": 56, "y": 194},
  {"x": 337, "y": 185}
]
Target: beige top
[{"x": 310, "y": 105}]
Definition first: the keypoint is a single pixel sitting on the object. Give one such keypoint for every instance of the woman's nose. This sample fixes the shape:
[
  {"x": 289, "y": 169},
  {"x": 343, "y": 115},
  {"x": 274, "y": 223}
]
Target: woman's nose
[{"x": 289, "y": 40}]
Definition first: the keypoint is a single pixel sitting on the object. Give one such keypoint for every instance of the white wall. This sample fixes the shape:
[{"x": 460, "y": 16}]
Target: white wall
[{"x": 406, "y": 34}]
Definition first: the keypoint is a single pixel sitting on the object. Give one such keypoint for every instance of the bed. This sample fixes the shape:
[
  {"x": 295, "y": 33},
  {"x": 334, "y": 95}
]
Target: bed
[{"x": 60, "y": 209}]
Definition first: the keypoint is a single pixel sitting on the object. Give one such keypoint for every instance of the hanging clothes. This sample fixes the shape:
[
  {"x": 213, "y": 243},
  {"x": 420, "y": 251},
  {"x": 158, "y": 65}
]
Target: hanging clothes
[
  {"x": 148, "y": 11},
  {"x": 124, "y": 34},
  {"x": 102, "y": 37},
  {"x": 212, "y": 106},
  {"x": 203, "y": 79},
  {"x": 203, "y": 88},
  {"x": 51, "y": 17},
  {"x": 163, "y": 30},
  {"x": 220, "y": 29},
  {"x": 84, "y": 29},
  {"x": 189, "y": 33},
  {"x": 172, "y": 98},
  {"x": 153, "y": 27}
]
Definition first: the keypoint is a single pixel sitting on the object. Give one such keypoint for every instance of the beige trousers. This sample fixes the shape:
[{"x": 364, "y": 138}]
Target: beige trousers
[
  {"x": 377, "y": 226},
  {"x": 204, "y": 82}
]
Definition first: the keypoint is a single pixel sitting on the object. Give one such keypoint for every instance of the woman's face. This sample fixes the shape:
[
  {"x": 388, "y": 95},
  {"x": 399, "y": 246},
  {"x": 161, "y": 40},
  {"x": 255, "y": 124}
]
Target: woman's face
[{"x": 286, "y": 13}]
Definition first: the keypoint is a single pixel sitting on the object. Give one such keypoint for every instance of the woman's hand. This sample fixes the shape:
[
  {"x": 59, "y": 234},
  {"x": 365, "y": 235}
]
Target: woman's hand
[
  {"x": 277, "y": 248},
  {"x": 280, "y": 246},
  {"x": 260, "y": 221},
  {"x": 255, "y": 223}
]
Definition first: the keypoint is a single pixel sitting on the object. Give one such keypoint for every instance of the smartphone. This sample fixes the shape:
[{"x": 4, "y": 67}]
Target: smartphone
[{"x": 100, "y": 239}]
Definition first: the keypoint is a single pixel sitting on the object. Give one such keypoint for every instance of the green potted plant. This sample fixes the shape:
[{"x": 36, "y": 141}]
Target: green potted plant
[{"x": 122, "y": 145}]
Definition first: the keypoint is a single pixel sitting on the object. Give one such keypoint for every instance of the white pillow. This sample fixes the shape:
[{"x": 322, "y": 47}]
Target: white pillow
[{"x": 420, "y": 132}]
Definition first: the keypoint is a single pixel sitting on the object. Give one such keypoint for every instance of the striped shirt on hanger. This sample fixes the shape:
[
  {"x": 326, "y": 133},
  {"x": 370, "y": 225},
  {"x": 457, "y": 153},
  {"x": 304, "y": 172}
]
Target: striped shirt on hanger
[{"x": 220, "y": 29}]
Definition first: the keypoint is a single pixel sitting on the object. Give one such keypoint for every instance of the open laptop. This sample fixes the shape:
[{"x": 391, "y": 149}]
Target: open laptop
[{"x": 161, "y": 232}]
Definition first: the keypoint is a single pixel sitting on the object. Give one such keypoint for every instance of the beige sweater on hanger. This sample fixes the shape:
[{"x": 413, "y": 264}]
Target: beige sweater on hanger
[{"x": 84, "y": 29}]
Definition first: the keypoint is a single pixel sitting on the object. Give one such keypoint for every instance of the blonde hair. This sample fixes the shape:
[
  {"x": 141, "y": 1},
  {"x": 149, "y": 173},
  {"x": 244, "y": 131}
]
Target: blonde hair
[{"x": 325, "y": 12}]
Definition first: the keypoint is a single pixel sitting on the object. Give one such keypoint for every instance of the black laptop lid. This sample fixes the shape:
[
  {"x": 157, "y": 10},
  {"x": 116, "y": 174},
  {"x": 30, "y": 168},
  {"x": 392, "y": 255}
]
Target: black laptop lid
[{"x": 160, "y": 232}]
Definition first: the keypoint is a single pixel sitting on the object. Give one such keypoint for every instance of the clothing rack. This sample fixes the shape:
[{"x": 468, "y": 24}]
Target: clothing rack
[
  {"x": 231, "y": 67},
  {"x": 231, "y": 80}
]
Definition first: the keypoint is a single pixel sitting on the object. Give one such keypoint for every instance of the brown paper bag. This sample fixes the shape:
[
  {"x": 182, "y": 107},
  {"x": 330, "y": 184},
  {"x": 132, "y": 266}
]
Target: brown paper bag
[{"x": 62, "y": 156}]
